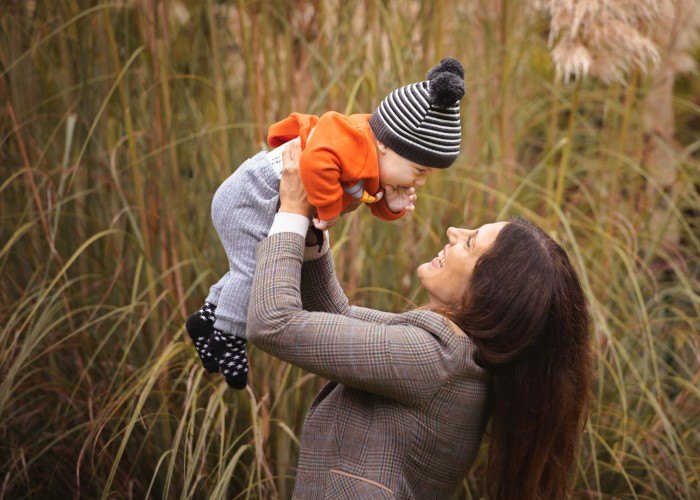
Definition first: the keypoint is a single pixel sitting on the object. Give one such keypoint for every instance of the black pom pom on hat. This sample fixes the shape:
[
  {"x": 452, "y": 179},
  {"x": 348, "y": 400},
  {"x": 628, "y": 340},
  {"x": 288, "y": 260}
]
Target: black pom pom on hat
[
  {"x": 446, "y": 83},
  {"x": 449, "y": 65}
]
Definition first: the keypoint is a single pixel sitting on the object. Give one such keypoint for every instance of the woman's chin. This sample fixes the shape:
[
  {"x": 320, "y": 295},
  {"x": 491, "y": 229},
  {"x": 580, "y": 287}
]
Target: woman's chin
[
  {"x": 426, "y": 269},
  {"x": 433, "y": 265}
]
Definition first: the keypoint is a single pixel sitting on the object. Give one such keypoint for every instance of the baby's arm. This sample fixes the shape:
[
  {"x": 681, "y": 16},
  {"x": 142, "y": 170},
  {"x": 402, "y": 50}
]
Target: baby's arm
[
  {"x": 372, "y": 201},
  {"x": 335, "y": 140}
]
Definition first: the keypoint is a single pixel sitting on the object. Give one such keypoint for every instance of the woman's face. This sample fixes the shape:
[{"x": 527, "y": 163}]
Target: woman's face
[{"x": 445, "y": 278}]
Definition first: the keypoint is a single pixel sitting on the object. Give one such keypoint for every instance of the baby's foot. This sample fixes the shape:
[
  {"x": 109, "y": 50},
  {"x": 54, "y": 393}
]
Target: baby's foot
[
  {"x": 230, "y": 353},
  {"x": 200, "y": 327}
]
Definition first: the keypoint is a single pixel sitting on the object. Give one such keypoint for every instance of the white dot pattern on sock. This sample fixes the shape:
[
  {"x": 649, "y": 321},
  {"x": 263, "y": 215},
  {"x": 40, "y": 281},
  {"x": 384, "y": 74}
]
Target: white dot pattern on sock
[{"x": 230, "y": 353}]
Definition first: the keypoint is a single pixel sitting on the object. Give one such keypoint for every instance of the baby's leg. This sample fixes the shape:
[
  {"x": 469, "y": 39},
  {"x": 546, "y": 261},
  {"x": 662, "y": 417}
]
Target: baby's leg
[
  {"x": 200, "y": 325},
  {"x": 215, "y": 289},
  {"x": 243, "y": 209}
]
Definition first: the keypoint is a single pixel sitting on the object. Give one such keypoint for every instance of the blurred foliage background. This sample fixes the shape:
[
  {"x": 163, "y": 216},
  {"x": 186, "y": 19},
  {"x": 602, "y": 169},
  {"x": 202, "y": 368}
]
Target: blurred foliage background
[{"x": 119, "y": 119}]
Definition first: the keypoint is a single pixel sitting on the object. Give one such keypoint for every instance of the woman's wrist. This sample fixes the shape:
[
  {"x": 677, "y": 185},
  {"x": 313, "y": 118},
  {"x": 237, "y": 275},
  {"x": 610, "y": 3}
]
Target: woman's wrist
[
  {"x": 290, "y": 208},
  {"x": 288, "y": 222}
]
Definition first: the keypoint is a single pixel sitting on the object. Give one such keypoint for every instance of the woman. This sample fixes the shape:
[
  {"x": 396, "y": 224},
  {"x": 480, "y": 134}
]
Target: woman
[{"x": 504, "y": 339}]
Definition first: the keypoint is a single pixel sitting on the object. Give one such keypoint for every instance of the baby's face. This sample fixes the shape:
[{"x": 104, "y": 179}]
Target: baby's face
[{"x": 397, "y": 171}]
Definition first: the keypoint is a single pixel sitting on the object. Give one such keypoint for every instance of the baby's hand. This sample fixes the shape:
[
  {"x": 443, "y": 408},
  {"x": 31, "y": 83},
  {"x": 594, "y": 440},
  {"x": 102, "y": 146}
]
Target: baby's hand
[
  {"x": 400, "y": 198},
  {"x": 325, "y": 224}
]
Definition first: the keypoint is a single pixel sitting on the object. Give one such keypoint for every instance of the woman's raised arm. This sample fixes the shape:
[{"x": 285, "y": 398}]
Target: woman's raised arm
[{"x": 401, "y": 361}]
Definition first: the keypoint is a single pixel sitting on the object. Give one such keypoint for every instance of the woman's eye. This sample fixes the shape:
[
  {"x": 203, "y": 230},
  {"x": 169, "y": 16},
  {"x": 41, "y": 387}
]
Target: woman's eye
[{"x": 469, "y": 242}]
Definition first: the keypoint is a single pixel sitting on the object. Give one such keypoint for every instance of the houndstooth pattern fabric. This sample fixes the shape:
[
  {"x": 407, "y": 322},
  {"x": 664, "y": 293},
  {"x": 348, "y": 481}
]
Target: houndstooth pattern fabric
[
  {"x": 404, "y": 413},
  {"x": 242, "y": 210}
]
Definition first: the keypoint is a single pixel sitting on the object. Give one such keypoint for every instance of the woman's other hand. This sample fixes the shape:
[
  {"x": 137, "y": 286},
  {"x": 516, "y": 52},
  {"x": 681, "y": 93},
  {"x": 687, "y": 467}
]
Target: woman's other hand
[{"x": 293, "y": 197}]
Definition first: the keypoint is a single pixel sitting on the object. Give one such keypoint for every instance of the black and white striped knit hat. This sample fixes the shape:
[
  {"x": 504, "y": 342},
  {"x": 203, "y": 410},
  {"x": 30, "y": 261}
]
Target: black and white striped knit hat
[{"x": 420, "y": 121}]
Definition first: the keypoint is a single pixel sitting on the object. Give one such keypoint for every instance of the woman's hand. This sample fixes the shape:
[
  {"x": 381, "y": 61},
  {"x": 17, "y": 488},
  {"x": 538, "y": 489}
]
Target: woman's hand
[{"x": 293, "y": 197}]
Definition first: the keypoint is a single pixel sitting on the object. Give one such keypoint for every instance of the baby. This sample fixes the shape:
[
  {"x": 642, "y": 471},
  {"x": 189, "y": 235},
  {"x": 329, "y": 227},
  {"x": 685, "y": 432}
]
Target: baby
[{"x": 375, "y": 159}]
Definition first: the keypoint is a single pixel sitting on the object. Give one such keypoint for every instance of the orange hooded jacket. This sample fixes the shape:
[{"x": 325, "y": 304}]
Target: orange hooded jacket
[{"x": 339, "y": 165}]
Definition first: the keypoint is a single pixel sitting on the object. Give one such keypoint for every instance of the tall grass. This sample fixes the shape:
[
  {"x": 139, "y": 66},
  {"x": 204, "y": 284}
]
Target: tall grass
[{"x": 119, "y": 120}]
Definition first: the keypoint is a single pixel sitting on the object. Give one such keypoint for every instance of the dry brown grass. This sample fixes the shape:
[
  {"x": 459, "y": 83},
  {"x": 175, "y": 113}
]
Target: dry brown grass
[{"x": 118, "y": 121}]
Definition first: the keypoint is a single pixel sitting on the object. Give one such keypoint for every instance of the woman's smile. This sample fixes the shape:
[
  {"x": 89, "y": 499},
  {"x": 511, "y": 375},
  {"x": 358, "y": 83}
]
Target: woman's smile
[
  {"x": 441, "y": 258},
  {"x": 438, "y": 262}
]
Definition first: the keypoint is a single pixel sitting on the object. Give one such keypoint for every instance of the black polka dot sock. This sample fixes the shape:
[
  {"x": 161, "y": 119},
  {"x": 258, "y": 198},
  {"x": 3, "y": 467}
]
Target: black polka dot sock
[
  {"x": 200, "y": 327},
  {"x": 230, "y": 353}
]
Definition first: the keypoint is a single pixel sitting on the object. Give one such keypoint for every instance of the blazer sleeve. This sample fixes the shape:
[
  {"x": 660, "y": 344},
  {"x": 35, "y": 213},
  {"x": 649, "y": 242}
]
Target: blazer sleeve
[
  {"x": 321, "y": 292},
  {"x": 400, "y": 361}
]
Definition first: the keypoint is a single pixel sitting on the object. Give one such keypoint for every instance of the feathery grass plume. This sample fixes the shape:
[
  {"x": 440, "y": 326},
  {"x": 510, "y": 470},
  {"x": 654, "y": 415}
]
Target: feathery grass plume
[
  {"x": 604, "y": 38},
  {"x": 678, "y": 34},
  {"x": 675, "y": 36}
]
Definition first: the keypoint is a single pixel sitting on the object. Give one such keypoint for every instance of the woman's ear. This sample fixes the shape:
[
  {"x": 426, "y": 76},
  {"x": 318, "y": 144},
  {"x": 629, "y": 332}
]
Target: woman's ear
[{"x": 381, "y": 147}]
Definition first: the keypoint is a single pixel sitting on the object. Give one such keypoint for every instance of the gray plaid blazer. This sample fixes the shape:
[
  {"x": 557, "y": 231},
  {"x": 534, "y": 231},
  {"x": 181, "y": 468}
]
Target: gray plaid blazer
[{"x": 404, "y": 413}]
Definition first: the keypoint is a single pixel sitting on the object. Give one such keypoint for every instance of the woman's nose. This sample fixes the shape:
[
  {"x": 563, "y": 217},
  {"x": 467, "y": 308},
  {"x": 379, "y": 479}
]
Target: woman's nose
[{"x": 454, "y": 234}]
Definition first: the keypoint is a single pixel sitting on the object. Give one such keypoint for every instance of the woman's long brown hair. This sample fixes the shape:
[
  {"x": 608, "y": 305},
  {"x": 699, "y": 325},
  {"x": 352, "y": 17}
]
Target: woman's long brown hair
[{"x": 526, "y": 312}]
